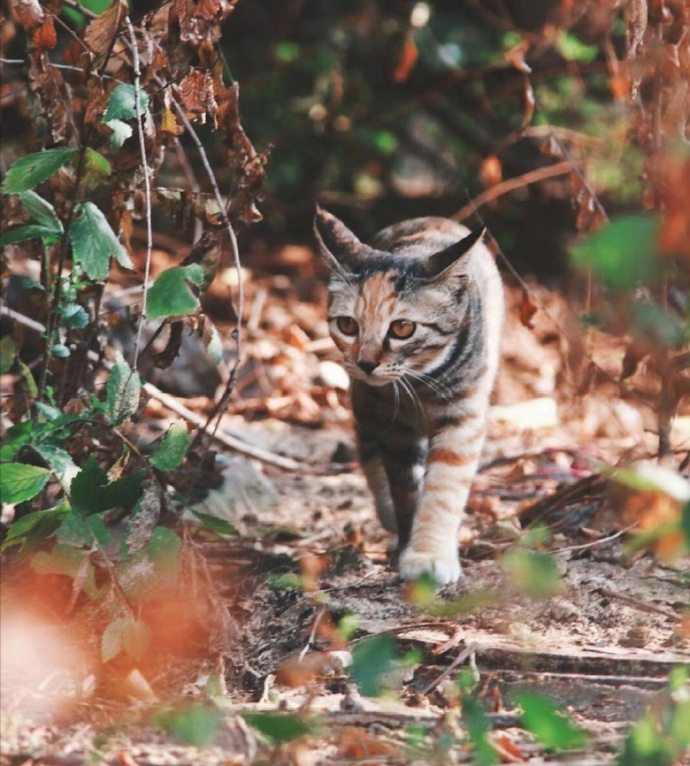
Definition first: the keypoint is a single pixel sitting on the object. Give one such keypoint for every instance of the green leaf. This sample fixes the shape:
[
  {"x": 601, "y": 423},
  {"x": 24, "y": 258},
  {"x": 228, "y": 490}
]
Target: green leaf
[
  {"x": 14, "y": 439},
  {"x": 125, "y": 635},
  {"x": 534, "y": 574},
  {"x": 685, "y": 523},
  {"x": 20, "y": 482},
  {"x": 164, "y": 552},
  {"x": 554, "y": 730},
  {"x": 60, "y": 351},
  {"x": 28, "y": 378},
  {"x": 170, "y": 294},
  {"x": 623, "y": 253},
  {"x": 478, "y": 726},
  {"x": 41, "y": 211},
  {"x": 170, "y": 453},
  {"x": 96, "y": 169},
  {"x": 121, "y": 132},
  {"x": 195, "y": 725},
  {"x": 279, "y": 727},
  {"x": 69, "y": 561},
  {"x": 372, "y": 659},
  {"x": 123, "y": 390},
  {"x": 81, "y": 530},
  {"x": 60, "y": 462},
  {"x": 74, "y": 315},
  {"x": 8, "y": 352},
  {"x": 34, "y": 169},
  {"x": 24, "y": 233},
  {"x": 94, "y": 242},
  {"x": 90, "y": 491},
  {"x": 34, "y": 528},
  {"x": 219, "y": 526},
  {"x": 214, "y": 345},
  {"x": 573, "y": 49},
  {"x": 122, "y": 103}
]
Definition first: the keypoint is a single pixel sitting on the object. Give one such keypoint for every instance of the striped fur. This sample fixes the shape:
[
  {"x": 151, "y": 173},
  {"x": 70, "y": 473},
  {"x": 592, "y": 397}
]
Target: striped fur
[{"x": 420, "y": 402}]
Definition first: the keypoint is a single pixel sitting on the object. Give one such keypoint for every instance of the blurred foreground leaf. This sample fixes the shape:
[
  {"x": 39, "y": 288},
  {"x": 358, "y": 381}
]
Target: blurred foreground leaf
[{"x": 553, "y": 730}]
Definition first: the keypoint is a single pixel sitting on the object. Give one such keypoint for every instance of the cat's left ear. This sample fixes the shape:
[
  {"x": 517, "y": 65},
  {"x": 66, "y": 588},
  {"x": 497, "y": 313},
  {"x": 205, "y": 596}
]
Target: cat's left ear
[
  {"x": 439, "y": 262},
  {"x": 339, "y": 246}
]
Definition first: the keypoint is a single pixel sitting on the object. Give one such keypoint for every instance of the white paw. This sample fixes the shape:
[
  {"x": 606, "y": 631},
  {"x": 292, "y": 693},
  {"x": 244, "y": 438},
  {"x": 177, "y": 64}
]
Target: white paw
[{"x": 443, "y": 566}]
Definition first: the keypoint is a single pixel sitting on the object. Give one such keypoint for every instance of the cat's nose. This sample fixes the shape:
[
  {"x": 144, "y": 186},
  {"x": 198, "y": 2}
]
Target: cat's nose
[{"x": 368, "y": 365}]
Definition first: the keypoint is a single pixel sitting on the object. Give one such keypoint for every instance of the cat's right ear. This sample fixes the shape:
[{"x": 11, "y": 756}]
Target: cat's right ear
[{"x": 339, "y": 247}]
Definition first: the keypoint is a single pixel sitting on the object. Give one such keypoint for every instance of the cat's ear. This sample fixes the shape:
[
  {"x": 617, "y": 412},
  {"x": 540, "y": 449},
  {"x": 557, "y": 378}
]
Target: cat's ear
[
  {"x": 439, "y": 262},
  {"x": 339, "y": 246}
]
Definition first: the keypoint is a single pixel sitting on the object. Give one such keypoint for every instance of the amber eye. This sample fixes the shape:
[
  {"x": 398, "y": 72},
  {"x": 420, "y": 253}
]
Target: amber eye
[
  {"x": 402, "y": 328},
  {"x": 347, "y": 325}
]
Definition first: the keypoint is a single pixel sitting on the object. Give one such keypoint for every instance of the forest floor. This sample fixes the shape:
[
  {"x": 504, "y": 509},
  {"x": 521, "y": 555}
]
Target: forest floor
[{"x": 310, "y": 559}]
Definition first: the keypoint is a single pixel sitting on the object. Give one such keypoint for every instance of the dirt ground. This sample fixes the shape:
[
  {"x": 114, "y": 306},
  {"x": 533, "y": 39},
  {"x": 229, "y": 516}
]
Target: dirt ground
[{"x": 310, "y": 554}]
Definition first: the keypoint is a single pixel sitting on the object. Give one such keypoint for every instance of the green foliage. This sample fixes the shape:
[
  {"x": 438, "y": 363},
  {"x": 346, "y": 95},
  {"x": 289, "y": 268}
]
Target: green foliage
[
  {"x": 214, "y": 524},
  {"x": 279, "y": 727},
  {"x": 123, "y": 391},
  {"x": 125, "y": 635},
  {"x": 476, "y": 720},
  {"x": 550, "y": 727},
  {"x": 534, "y": 574},
  {"x": 34, "y": 528},
  {"x": 170, "y": 453},
  {"x": 623, "y": 253},
  {"x": 33, "y": 169},
  {"x": 195, "y": 725},
  {"x": 66, "y": 560},
  {"x": 372, "y": 659},
  {"x": 170, "y": 295},
  {"x": 122, "y": 103},
  {"x": 91, "y": 492},
  {"x": 8, "y": 352},
  {"x": 94, "y": 243},
  {"x": 19, "y": 482}
]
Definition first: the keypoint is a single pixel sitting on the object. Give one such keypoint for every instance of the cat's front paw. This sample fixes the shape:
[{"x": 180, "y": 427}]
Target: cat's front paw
[{"x": 443, "y": 566}]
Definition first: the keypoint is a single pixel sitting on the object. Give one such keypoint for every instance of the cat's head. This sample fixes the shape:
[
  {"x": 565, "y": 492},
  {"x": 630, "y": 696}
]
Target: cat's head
[{"x": 390, "y": 314}]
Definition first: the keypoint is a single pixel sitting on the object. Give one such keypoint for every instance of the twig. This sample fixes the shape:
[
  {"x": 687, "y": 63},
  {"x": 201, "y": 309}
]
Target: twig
[
  {"x": 147, "y": 184},
  {"x": 232, "y": 442},
  {"x": 594, "y": 543},
  {"x": 464, "y": 654},
  {"x": 312, "y": 635},
  {"x": 511, "y": 184},
  {"x": 636, "y": 603}
]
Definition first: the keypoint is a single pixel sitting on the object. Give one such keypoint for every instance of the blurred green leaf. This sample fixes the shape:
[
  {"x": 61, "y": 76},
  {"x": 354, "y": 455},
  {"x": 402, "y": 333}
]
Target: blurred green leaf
[
  {"x": 33, "y": 169},
  {"x": 534, "y": 574},
  {"x": 24, "y": 233},
  {"x": 552, "y": 729},
  {"x": 34, "y": 528},
  {"x": 83, "y": 530},
  {"x": 91, "y": 492},
  {"x": 164, "y": 551},
  {"x": 20, "y": 482},
  {"x": 171, "y": 451},
  {"x": 623, "y": 253},
  {"x": 573, "y": 49},
  {"x": 286, "y": 52},
  {"x": 7, "y": 353},
  {"x": 96, "y": 168},
  {"x": 219, "y": 526},
  {"x": 123, "y": 389},
  {"x": 125, "y": 635},
  {"x": 195, "y": 725},
  {"x": 74, "y": 315},
  {"x": 372, "y": 658},
  {"x": 279, "y": 727},
  {"x": 66, "y": 560}
]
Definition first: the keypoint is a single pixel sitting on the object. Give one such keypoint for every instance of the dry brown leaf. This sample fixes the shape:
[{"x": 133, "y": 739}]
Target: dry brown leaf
[
  {"x": 491, "y": 171},
  {"x": 45, "y": 37},
  {"x": 46, "y": 81},
  {"x": 528, "y": 308},
  {"x": 196, "y": 93},
  {"x": 96, "y": 103},
  {"x": 169, "y": 123},
  {"x": 101, "y": 32},
  {"x": 357, "y": 743},
  {"x": 406, "y": 60},
  {"x": 28, "y": 13}
]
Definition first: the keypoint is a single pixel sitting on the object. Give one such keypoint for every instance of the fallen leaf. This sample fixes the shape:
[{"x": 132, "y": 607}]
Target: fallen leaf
[
  {"x": 45, "y": 37},
  {"x": 101, "y": 32},
  {"x": 28, "y": 13}
]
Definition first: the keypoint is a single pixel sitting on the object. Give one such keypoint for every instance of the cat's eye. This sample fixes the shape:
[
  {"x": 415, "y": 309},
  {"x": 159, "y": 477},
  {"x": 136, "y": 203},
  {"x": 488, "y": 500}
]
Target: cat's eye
[
  {"x": 347, "y": 325},
  {"x": 402, "y": 329}
]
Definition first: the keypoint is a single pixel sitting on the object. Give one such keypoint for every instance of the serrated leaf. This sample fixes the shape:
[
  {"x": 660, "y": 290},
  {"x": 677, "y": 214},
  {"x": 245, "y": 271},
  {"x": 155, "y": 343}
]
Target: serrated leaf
[
  {"x": 372, "y": 659},
  {"x": 83, "y": 530},
  {"x": 171, "y": 451},
  {"x": 14, "y": 439},
  {"x": 219, "y": 526},
  {"x": 60, "y": 462},
  {"x": 541, "y": 717},
  {"x": 7, "y": 353},
  {"x": 94, "y": 242},
  {"x": 20, "y": 482},
  {"x": 122, "y": 103},
  {"x": 125, "y": 635},
  {"x": 121, "y": 132},
  {"x": 90, "y": 491},
  {"x": 280, "y": 727},
  {"x": 123, "y": 390},
  {"x": 41, "y": 211},
  {"x": 34, "y": 528},
  {"x": 33, "y": 169},
  {"x": 170, "y": 295},
  {"x": 25, "y": 233},
  {"x": 74, "y": 315}
]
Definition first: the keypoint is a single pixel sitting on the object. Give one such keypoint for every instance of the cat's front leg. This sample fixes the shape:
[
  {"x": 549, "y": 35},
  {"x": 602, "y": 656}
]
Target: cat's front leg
[{"x": 450, "y": 468}]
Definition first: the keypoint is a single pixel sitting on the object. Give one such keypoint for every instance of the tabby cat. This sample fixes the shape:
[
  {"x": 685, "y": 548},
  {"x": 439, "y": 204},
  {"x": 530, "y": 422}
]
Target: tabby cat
[{"x": 417, "y": 316}]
